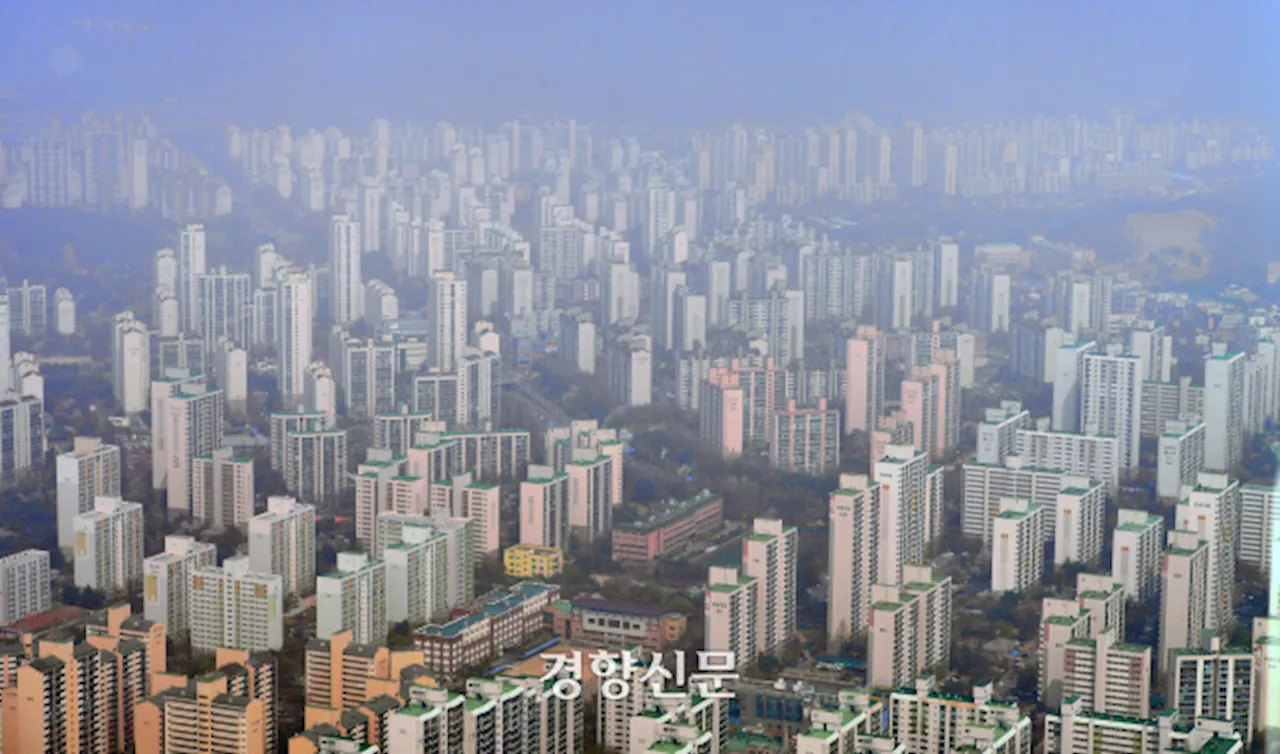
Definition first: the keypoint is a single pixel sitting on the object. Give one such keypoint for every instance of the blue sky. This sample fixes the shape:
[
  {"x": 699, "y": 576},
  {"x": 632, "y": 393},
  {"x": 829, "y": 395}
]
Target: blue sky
[{"x": 696, "y": 61}]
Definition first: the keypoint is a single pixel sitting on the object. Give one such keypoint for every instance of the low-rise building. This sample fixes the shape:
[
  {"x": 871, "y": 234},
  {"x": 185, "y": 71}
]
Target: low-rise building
[
  {"x": 499, "y": 620},
  {"x": 616, "y": 624},
  {"x": 533, "y": 561},
  {"x": 669, "y": 529}
]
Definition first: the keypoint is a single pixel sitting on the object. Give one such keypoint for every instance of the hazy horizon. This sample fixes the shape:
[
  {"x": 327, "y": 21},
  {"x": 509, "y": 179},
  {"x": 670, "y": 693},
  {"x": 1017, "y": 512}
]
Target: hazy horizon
[{"x": 665, "y": 62}]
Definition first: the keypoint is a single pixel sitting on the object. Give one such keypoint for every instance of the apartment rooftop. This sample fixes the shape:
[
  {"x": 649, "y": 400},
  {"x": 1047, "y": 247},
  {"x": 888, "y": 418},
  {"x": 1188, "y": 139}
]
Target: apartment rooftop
[{"x": 673, "y": 510}]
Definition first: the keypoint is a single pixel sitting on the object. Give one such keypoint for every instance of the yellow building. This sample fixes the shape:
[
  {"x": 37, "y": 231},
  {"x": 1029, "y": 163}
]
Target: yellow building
[{"x": 529, "y": 561}]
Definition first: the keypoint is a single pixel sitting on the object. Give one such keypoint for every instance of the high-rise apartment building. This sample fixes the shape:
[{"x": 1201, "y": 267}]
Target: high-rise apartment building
[
  {"x": 204, "y": 710},
  {"x": 1108, "y": 675},
  {"x": 930, "y": 402},
  {"x": 864, "y": 391},
  {"x": 853, "y": 550},
  {"x": 1259, "y": 526},
  {"x": 91, "y": 468},
  {"x": 293, "y": 307},
  {"x": 1068, "y": 383},
  {"x": 22, "y": 440},
  {"x": 282, "y": 541},
  {"x": 130, "y": 362},
  {"x": 1223, "y": 415},
  {"x": 446, "y": 320},
  {"x": 806, "y": 440},
  {"x": 353, "y": 597},
  {"x": 1215, "y": 682},
  {"x": 732, "y": 614},
  {"x": 592, "y": 490},
  {"x": 1111, "y": 402},
  {"x": 222, "y": 488},
  {"x": 191, "y": 266},
  {"x": 1184, "y": 594},
  {"x": 1136, "y": 546},
  {"x": 1017, "y": 546},
  {"x": 998, "y": 432},
  {"x": 346, "y": 294},
  {"x": 1094, "y": 457},
  {"x": 630, "y": 366},
  {"x": 281, "y": 424},
  {"x": 1180, "y": 456},
  {"x": 315, "y": 463},
  {"x": 231, "y": 365},
  {"x": 769, "y": 555},
  {"x": 1211, "y": 509},
  {"x": 108, "y": 546},
  {"x": 367, "y": 371},
  {"x": 25, "y": 581},
  {"x": 186, "y": 422},
  {"x": 1079, "y": 519},
  {"x": 166, "y": 582},
  {"x": 234, "y": 607},
  {"x": 417, "y": 574},
  {"x": 910, "y": 627},
  {"x": 910, "y": 510},
  {"x": 382, "y": 486},
  {"x": 545, "y": 497},
  {"x": 225, "y": 299},
  {"x": 28, "y": 309},
  {"x": 1155, "y": 349}
]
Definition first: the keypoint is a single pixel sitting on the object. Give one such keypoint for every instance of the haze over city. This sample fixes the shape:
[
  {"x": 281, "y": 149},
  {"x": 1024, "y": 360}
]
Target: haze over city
[{"x": 661, "y": 378}]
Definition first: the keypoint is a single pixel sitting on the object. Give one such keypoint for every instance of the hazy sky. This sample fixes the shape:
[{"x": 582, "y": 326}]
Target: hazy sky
[{"x": 687, "y": 61}]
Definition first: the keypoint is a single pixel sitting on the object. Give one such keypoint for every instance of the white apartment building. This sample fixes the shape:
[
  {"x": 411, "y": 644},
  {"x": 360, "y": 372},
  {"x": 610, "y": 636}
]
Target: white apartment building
[
  {"x": 1184, "y": 593},
  {"x": 923, "y": 720},
  {"x": 446, "y": 320},
  {"x": 293, "y": 310},
  {"x": 353, "y": 597},
  {"x": 1260, "y": 526},
  {"x": 108, "y": 546},
  {"x": 910, "y": 629},
  {"x": 998, "y": 432},
  {"x": 130, "y": 363},
  {"x": 1093, "y": 456},
  {"x": 233, "y": 607},
  {"x": 1068, "y": 383},
  {"x": 25, "y": 589},
  {"x": 222, "y": 488},
  {"x": 417, "y": 575},
  {"x": 455, "y": 585},
  {"x": 1017, "y": 547},
  {"x": 1211, "y": 509},
  {"x": 1108, "y": 675},
  {"x": 1079, "y": 518},
  {"x": 282, "y": 541},
  {"x": 769, "y": 555},
  {"x": 1224, "y": 399},
  {"x": 544, "y": 508},
  {"x": 1136, "y": 546},
  {"x": 853, "y": 556},
  {"x": 1080, "y": 730},
  {"x": 906, "y": 506},
  {"x": 1180, "y": 457},
  {"x": 346, "y": 283},
  {"x": 732, "y": 614},
  {"x": 91, "y": 468},
  {"x": 166, "y": 582},
  {"x": 186, "y": 422},
  {"x": 1111, "y": 402},
  {"x": 985, "y": 485},
  {"x": 630, "y": 365}
]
